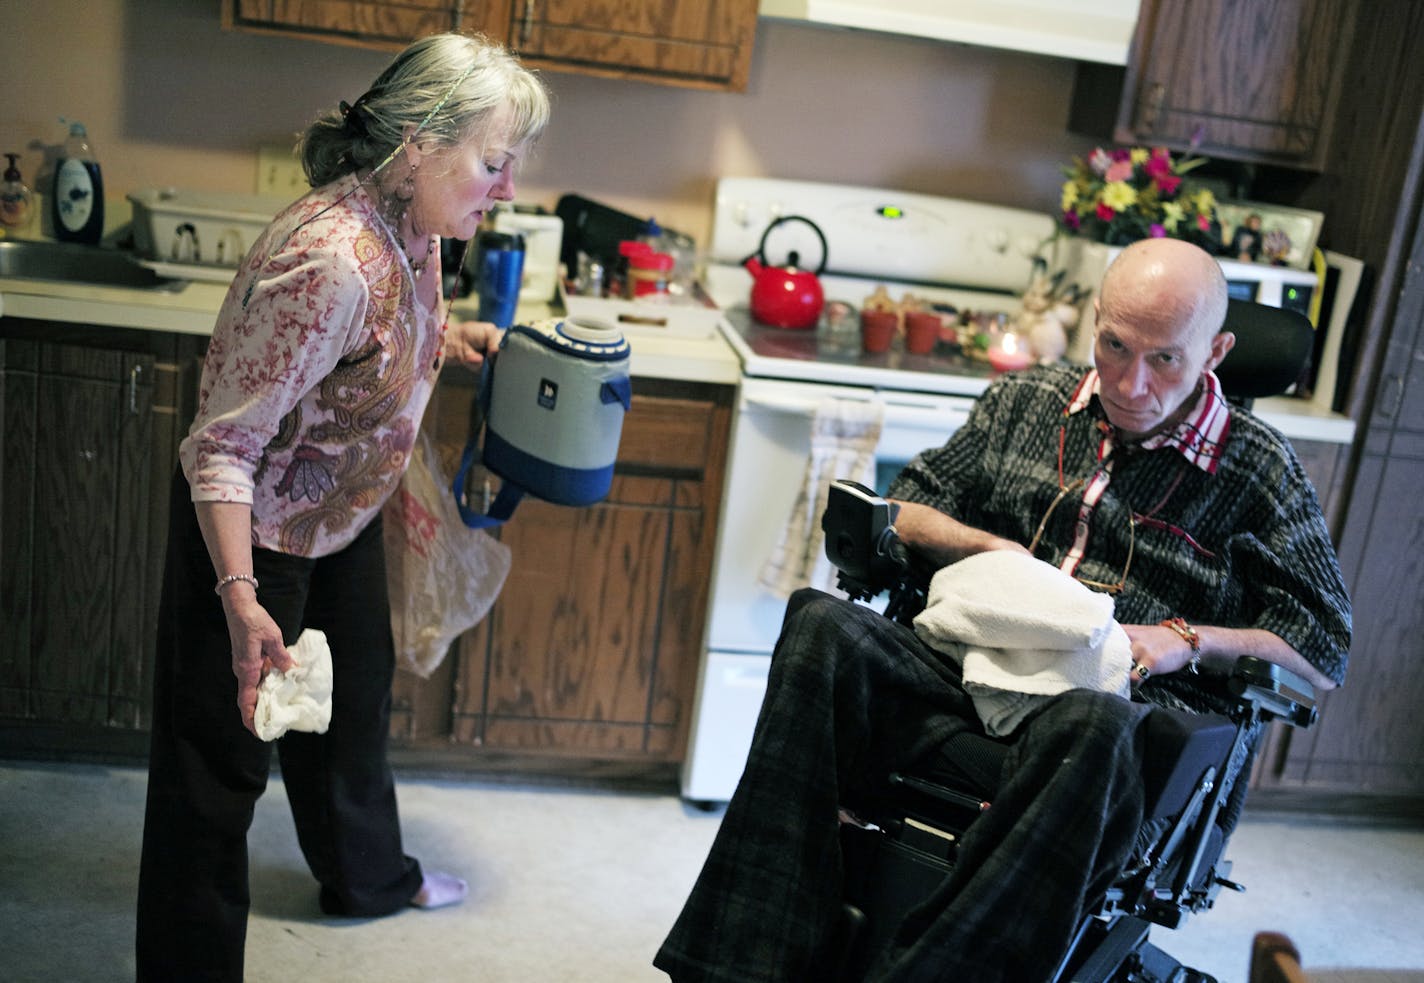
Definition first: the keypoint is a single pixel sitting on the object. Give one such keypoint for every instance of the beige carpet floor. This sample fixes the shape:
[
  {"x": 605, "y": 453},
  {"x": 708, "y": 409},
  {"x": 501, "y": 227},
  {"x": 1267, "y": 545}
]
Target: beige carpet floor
[{"x": 574, "y": 885}]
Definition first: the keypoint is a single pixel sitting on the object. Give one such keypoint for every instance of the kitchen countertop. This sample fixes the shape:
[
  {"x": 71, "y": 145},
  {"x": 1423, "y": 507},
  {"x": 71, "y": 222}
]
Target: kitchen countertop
[{"x": 190, "y": 307}]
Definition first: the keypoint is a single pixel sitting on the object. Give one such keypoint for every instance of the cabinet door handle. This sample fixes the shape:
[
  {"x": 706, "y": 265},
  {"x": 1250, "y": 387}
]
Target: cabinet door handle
[
  {"x": 1152, "y": 105},
  {"x": 527, "y": 27},
  {"x": 134, "y": 374},
  {"x": 1391, "y": 394}
]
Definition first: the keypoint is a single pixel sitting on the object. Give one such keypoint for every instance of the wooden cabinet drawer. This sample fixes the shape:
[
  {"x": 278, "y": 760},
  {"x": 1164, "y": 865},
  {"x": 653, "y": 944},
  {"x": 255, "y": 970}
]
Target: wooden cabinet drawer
[{"x": 666, "y": 435}]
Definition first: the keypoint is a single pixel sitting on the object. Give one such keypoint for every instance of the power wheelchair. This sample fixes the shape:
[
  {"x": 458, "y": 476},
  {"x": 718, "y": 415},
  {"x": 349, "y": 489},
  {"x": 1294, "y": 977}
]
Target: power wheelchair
[{"x": 900, "y": 850}]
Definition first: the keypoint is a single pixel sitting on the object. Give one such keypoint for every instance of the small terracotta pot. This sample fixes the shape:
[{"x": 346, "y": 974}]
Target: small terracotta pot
[
  {"x": 877, "y": 330},
  {"x": 921, "y": 332}
]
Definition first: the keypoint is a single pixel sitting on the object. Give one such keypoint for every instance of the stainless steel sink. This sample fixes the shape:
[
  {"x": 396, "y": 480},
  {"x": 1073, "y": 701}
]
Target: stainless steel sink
[{"x": 74, "y": 263}]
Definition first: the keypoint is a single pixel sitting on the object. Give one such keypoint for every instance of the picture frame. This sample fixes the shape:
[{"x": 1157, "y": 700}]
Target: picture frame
[
  {"x": 1300, "y": 226},
  {"x": 1344, "y": 278}
]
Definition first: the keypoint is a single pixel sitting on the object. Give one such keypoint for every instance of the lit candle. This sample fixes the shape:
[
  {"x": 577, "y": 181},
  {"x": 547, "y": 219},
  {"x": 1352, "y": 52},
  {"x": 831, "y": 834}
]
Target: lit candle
[{"x": 1009, "y": 354}]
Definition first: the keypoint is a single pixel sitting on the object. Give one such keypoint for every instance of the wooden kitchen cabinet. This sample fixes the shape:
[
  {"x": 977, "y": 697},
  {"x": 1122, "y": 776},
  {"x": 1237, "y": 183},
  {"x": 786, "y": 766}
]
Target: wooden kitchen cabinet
[
  {"x": 1369, "y": 743},
  {"x": 77, "y": 465},
  {"x": 692, "y": 43},
  {"x": 587, "y": 662},
  {"x": 391, "y": 24},
  {"x": 1249, "y": 80},
  {"x": 89, "y": 436},
  {"x": 703, "y": 44}
]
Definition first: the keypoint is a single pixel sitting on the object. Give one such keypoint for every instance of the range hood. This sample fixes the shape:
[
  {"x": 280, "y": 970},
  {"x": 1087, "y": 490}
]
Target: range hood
[{"x": 1088, "y": 30}]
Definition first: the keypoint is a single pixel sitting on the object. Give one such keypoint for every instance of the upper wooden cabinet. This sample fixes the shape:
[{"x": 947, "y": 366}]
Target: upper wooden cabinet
[
  {"x": 366, "y": 23},
  {"x": 1252, "y": 80},
  {"x": 695, "y": 43},
  {"x": 704, "y": 44}
]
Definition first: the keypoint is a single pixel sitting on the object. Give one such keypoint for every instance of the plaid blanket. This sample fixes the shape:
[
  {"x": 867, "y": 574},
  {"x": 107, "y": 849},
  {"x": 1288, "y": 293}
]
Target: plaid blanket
[{"x": 851, "y": 697}]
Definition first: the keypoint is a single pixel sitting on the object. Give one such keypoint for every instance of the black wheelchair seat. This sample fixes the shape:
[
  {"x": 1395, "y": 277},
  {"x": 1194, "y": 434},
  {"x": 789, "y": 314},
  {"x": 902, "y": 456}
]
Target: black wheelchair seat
[{"x": 898, "y": 846}]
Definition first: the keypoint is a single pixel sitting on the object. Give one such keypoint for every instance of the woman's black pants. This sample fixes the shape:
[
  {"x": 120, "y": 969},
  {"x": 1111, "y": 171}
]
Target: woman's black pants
[{"x": 206, "y": 771}]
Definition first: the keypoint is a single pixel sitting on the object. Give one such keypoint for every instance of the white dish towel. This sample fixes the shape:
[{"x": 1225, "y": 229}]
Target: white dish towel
[
  {"x": 300, "y": 698},
  {"x": 1022, "y": 630},
  {"x": 844, "y": 433}
]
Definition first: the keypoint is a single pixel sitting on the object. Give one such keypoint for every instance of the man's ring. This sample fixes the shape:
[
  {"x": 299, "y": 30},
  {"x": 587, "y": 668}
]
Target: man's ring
[{"x": 1142, "y": 671}]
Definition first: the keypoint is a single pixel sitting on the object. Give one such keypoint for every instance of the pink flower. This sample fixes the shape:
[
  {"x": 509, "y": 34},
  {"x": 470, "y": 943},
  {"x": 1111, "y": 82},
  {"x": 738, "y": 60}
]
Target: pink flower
[
  {"x": 1169, "y": 183},
  {"x": 1122, "y": 153},
  {"x": 1157, "y": 231},
  {"x": 1158, "y": 167},
  {"x": 1106, "y": 213},
  {"x": 1121, "y": 170},
  {"x": 1070, "y": 219},
  {"x": 1203, "y": 223}
]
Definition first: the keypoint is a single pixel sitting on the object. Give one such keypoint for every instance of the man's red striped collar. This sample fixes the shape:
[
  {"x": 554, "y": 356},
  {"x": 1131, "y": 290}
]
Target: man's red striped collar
[{"x": 1200, "y": 437}]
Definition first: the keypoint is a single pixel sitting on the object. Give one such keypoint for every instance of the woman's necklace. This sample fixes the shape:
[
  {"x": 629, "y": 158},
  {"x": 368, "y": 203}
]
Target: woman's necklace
[{"x": 417, "y": 266}]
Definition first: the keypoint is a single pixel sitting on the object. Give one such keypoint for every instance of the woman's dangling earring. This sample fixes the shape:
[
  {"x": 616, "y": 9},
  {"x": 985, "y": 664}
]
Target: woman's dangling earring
[{"x": 406, "y": 191}]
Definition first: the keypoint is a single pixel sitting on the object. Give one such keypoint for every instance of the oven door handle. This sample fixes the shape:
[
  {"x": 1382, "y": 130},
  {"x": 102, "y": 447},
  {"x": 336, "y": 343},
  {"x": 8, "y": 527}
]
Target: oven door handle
[{"x": 899, "y": 410}]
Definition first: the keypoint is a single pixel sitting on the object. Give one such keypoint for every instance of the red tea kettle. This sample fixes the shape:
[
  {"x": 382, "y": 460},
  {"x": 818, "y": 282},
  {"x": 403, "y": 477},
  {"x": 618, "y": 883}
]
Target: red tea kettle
[{"x": 784, "y": 296}]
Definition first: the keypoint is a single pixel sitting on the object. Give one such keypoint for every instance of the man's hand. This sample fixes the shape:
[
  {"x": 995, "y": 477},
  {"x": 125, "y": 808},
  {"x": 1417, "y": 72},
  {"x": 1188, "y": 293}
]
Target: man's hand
[
  {"x": 1156, "y": 649},
  {"x": 469, "y": 342},
  {"x": 256, "y": 647},
  {"x": 1159, "y": 649}
]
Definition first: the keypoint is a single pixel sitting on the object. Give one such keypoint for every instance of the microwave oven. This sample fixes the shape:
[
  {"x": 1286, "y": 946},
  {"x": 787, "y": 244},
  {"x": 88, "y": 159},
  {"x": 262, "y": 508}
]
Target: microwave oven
[{"x": 1084, "y": 263}]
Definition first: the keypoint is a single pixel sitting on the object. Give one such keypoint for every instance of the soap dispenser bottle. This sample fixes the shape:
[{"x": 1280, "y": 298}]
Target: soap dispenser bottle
[
  {"x": 15, "y": 198},
  {"x": 77, "y": 205}
]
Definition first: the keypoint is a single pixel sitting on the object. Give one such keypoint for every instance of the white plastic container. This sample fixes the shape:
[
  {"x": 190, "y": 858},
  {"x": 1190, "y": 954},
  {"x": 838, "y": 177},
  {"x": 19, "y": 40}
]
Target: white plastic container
[{"x": 195, "y": 229}]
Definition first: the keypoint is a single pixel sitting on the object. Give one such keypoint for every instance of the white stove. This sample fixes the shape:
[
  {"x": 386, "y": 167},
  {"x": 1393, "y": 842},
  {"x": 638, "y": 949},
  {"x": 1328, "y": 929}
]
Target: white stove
[
  {"x": 961, "y": 254},
  {"x": 953, "y": 253}
]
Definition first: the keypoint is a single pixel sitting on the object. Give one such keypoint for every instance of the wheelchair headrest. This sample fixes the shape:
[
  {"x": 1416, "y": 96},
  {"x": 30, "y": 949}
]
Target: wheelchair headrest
[{"x": 1272, "y": 347}]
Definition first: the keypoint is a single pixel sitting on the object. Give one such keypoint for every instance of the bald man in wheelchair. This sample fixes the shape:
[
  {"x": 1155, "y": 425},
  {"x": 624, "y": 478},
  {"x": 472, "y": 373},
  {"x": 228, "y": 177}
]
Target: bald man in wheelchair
[{"x": 1138, "y": 480}]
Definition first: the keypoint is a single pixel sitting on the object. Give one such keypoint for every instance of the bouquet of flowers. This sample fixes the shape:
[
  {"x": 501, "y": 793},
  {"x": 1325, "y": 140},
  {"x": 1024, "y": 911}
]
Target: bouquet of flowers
[{"x": 1120, "y": 196}]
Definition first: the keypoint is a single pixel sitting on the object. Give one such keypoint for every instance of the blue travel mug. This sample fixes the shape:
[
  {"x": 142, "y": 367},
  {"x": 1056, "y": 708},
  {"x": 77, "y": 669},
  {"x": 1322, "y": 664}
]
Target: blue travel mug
[{"x": 499, "y": 273}]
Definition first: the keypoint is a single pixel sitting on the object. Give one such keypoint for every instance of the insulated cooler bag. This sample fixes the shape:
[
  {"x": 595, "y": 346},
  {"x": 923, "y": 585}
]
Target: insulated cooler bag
[{"x": 554, "y": 397}]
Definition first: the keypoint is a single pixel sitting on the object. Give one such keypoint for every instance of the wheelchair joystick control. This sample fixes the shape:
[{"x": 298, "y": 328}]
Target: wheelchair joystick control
[{"x": 861, "y": 542}]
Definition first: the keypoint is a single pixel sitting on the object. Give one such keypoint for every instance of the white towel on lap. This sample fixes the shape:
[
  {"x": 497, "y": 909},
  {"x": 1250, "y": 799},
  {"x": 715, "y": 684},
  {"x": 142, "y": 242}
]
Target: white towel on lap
[
  {"x": 300, "y": 698},
  {"x": 844, "y": 434},
  {"x": 1022, "y": 630},
  {"x": 1006, "y": 599}
]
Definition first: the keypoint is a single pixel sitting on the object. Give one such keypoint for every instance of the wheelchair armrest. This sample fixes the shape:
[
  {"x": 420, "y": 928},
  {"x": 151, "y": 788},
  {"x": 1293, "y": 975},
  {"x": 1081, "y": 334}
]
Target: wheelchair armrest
[
  {"x": 861, "y": 541},
  {"x": 1273, "y": 691}
]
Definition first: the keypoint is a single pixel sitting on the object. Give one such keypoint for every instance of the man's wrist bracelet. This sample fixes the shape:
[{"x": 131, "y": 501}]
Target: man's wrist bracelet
[
  {"x": 233, "y": 578},
  {"x": 1190, "y": 636}
]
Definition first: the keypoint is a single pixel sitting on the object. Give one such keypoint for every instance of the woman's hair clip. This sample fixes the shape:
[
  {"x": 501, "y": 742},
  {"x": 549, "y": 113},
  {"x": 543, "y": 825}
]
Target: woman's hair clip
[{"x": 351, "y": 115}]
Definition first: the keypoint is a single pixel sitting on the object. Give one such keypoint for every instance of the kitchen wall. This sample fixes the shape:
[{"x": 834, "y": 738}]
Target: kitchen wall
[{"x": 170, "y": 99}]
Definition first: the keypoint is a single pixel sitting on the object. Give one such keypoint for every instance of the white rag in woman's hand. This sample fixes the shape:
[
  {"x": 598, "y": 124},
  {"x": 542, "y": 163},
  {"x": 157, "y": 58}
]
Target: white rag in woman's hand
[{"x": 300, "y": 698}]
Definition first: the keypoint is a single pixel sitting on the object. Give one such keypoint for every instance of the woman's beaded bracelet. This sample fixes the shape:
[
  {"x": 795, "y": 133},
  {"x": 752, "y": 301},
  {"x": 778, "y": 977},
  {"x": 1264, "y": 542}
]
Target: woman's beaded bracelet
[{"x": 233, "y": 578}]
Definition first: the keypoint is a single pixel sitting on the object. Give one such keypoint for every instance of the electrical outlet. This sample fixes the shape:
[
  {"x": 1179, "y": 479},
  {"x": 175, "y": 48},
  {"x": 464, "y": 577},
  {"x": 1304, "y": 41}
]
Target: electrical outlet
[{"x": 280, "y": 173}]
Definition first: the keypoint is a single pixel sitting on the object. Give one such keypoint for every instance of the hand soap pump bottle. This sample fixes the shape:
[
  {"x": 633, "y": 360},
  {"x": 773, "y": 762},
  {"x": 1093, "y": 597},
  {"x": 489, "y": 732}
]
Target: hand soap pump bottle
[
  {"x": 77, "y": 205},
  {"x": 15, "y": 198}
]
